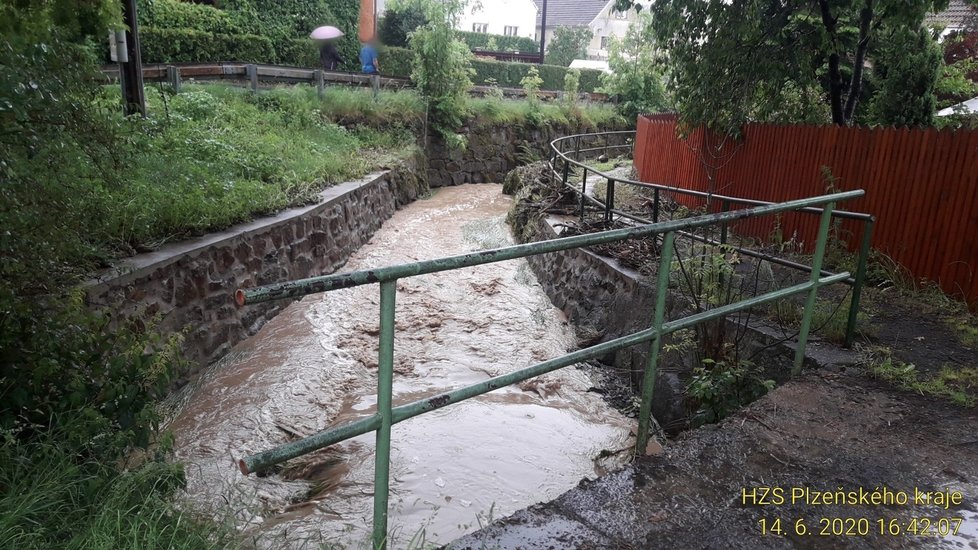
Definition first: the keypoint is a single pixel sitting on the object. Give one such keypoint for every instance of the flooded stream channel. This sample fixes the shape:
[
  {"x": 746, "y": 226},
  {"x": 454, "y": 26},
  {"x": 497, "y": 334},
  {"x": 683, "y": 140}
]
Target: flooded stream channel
[{"x": 314, "y": 366}]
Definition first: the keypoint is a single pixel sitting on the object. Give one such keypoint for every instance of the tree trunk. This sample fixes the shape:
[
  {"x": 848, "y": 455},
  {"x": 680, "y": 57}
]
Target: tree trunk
[
  {"x": 835, "y": 75},
  {"x": 855, "y": 85}
]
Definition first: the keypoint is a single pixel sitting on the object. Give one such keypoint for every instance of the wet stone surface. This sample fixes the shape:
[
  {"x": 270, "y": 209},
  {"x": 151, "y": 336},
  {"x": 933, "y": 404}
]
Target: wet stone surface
[{"x": 823, "y": 432}]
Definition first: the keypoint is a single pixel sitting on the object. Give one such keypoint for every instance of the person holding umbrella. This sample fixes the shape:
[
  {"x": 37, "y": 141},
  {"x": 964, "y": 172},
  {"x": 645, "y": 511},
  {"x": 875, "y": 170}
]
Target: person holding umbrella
[{"x": 329, "y": 57}]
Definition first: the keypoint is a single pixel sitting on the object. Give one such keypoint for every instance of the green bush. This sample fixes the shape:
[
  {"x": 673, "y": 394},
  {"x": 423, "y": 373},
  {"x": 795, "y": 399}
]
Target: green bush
[
  {"x": 396, "y": 62},
  {"x": 188, "y": 46},
  {"x": 510, "y": 74},
  {"x": 480, "y": 40},
  {"x": 173, "y": 14},
  {"x": 400, "y": 19}
]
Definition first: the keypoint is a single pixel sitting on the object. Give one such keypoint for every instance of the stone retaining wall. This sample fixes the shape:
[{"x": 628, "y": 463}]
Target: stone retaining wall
[
  {"x": 604, "y": 301},
  {"x": 495, "y": 149},
  {"x": 190, "y": 284}
]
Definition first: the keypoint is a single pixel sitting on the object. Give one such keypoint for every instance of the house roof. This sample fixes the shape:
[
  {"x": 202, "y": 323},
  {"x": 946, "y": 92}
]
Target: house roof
[
  {"x": 965, "y": 107},
  {"x": 570, "y": 13},
  {"x": 954, "y": 17}
]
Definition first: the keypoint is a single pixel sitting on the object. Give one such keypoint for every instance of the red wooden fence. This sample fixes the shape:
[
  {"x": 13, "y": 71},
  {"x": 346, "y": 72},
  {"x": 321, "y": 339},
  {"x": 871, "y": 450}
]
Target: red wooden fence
[{"x": 921, "y": 184}]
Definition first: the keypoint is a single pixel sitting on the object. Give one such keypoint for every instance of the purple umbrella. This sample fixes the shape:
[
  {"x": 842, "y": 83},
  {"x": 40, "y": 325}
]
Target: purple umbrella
[{"x": 326, "y": 32}]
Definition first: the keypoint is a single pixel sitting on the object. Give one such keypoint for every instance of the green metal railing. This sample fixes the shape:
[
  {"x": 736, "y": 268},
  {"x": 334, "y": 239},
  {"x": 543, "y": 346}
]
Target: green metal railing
[
  {"x": 387, "y": 415},
  {"x": 567, "y": 152}
]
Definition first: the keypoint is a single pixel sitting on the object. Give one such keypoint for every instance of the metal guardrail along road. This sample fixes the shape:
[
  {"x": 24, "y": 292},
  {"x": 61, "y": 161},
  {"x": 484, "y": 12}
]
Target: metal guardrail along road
[
  {"x": 175, "y": 74},
  {"x": 386, "y": 415}
]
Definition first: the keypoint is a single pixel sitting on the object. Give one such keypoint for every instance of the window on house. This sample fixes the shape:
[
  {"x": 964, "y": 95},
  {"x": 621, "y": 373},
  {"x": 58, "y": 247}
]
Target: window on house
[
  {"x": 620, "y": 14},
  {"x": 510, "y": 31},
  {"x": 480, "y": 27},
  {"x": 605, "y": 42}
]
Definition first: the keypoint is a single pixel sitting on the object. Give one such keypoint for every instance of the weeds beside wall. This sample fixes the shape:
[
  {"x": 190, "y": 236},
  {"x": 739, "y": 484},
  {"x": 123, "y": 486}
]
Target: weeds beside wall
[{"x": 921, "y": 184}]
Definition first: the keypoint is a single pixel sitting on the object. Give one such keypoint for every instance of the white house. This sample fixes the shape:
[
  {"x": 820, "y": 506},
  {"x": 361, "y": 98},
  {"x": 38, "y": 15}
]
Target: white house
[
  {"x": 505, "y": 17},
  {"x": 969, "y": 107},
  {"x": 598, "y": 15},
  {"x": 954, "y": 18}
]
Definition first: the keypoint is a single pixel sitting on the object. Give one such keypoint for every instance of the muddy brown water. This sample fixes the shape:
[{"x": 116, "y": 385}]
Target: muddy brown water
[{"x": 314, "y": 366}]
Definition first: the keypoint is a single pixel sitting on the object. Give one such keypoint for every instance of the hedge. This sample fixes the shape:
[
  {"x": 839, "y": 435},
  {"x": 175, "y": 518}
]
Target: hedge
[
  {"x": 506, "y": 43},
  {"x": 173, "y": 14},
  {"x": 284, "y": 23},
  {"x": 190, "y": 46},
  {"x": 397, "y": 62}
]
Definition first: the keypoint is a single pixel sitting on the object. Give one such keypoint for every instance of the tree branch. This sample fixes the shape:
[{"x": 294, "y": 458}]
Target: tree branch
[{"x": 865, "y": 31}]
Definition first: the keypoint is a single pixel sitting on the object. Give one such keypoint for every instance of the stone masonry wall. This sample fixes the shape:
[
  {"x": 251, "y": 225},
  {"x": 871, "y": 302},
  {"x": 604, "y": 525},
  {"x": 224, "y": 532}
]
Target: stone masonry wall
[
  {"x": 190, "y": 284},
  {"x": 604, "y": 301},
  {"x": 495, "y": 149}
]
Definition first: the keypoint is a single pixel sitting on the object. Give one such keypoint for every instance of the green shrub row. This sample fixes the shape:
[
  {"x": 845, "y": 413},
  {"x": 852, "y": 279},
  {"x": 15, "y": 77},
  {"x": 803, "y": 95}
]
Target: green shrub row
[
  {"x": 283, "y": 24},
  {"x": 191, "y": 46},
  {"x": 509, "y": 74},
  {"x": 397, "y": 62},
  {"x": 506, "y": 43}
]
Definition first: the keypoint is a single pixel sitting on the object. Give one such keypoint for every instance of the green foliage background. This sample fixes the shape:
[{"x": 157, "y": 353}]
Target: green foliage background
[{"x": 568, "y": 44}]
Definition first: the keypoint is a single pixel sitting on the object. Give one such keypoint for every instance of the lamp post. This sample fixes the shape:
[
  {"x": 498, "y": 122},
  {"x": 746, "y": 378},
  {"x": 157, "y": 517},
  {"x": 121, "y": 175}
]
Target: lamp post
[
  {"x": 543, "y": 31},
  {"x": 131, "y": 70}
]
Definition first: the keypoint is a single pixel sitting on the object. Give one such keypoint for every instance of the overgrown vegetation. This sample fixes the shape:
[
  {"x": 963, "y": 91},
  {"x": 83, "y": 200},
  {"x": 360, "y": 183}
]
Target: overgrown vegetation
[
  {"x": 637, "y": 82},
  {"x": 81, "y": 460},
  {"x": 729, "y": 63},
  {"x": 442, "y": 69},
  {"x": 958, "y": 385},
  {"x": 568, "y": 44}
]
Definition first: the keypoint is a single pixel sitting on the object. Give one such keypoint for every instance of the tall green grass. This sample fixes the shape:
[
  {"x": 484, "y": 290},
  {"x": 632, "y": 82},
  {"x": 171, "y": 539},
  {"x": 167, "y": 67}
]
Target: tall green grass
[{"x": 54, "y": 496}]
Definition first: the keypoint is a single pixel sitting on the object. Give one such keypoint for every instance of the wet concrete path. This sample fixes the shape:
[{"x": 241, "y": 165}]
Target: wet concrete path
[{"x": 314, "y": 366}]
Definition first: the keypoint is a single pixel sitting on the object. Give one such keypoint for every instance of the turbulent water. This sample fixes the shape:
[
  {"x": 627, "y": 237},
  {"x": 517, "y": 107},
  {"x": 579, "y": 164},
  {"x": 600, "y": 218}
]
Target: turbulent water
[{"x": 314, "y": 366}]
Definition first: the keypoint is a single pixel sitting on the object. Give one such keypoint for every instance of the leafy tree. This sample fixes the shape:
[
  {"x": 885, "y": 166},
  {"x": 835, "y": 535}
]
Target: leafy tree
[
  {"x": 637, "y": 66},
  {"x": 568, "y": 44},
  {"x": 401, "y": 18},
  {"x": 732, "y": 61},
  {"x": 906, "y": 73},
  {"x": 442, "y": 68}
]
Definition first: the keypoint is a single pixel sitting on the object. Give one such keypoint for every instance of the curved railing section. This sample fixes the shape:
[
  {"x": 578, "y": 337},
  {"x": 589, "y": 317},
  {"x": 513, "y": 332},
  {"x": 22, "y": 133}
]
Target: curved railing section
[{"x": 569, "y": 152}]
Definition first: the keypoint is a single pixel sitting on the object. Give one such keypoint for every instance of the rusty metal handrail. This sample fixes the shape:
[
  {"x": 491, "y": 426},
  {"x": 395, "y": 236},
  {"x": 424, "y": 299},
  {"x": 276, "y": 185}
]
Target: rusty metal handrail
[
  {"x": 559, "y": 152},
  {"x": 386, "y": 415}
]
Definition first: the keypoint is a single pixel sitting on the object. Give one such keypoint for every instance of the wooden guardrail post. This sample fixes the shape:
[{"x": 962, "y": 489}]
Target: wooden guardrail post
[
  {"x": 173, "y": 77},
  {"x": 320, "y": 83},
  {"x": 252, "y": 72}
]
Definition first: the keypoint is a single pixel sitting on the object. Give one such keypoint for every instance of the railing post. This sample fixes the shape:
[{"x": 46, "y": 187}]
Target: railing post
[
  {"x": 385, "y": 388},
  {"x": 806, "y": 318},
  {"x": 252, "y": 72},
  {"x": 655, "y": 206},
  {"x": 173, "y": 77},
  {"x": 609, "y": 200},
  {"x": 566, "y": 170},
  {"x": 724, "y": 207},
  {"x": 583, "y": 192},
  {"x": 857, "y": 285},
  {"x": 320, "y": 83},
  {"x": 648, "y": 381}
]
